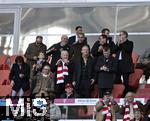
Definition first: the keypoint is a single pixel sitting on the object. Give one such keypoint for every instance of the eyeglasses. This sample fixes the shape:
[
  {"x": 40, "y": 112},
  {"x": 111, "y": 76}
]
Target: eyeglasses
[{"x": 46, "y": 69}]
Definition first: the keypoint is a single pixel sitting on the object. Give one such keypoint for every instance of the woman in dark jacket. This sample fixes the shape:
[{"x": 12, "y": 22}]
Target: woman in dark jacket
[{"x": 19, "y": 76}]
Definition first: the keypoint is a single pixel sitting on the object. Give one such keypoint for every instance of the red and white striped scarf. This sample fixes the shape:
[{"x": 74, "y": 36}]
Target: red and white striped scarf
[
  {"x": 62, "y": 70},
  {"x": 127, "y": 110},
  {"x": 107, "y": 112}
]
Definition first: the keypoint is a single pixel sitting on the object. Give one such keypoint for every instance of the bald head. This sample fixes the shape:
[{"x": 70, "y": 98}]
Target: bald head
[
  {"x": 130, "y": 94},
  {"x": 64, "y": 39}
]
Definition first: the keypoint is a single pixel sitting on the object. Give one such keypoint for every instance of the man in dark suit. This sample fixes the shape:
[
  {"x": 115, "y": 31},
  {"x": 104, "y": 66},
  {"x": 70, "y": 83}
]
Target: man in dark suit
[
  {"x": 106, "y": 67},
  {"x": 84, "y": 75},
  {"x": 76, "y": 48},
  {"x": 97, "y": 49},
  {"x": 74, "y": 39},
  {"x": 124, "y": 56},
  {"x": 110, "y": 42}
]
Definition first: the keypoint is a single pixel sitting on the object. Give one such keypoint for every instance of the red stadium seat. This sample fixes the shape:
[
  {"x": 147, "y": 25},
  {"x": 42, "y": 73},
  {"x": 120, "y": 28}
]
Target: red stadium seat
[
  {"x": 12, "y": 59},
  {"x": 3, "y": 59},
  {"x": 4, "y": 77},
  {"x": 118, "y": 90},
  {"x": 27, "y": 93},
  {"x": 5, "y": 90},
  {"x": 142, "y": 95},
  {"x": 135, "y": 78},
  {"x": 86, "y": 113},
  {"x": 135, "y": 58},
  {"x": 143, "y": 91},
  {"x": 147, "y": 85},
  {"x": 4, "y": 67},
  {"x": 95, "y": 92}
]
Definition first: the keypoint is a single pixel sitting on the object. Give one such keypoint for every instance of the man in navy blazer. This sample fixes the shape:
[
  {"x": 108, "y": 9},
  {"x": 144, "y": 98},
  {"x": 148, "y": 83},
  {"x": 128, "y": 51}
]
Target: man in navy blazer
[{"x": 74, "y": 39}]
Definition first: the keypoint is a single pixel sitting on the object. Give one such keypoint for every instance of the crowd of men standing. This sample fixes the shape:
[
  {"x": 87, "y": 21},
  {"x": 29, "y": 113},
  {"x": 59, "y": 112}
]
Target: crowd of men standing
[{"x": 73, "y": 62}]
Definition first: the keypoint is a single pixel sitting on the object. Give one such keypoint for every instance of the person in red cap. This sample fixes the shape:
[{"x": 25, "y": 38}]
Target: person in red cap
[
  {"x": 69, "y": 92},
  {"x": 72, "y": 112}
]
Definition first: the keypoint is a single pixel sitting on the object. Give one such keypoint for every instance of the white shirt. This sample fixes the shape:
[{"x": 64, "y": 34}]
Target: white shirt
[
  {"x": 131, "y": 112},
  {"x": 76, "y": 39},
  {"x": 120, "y": 55}
]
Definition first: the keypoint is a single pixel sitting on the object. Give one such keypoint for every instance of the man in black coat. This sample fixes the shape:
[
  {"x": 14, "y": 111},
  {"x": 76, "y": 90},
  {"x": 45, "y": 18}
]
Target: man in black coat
[
  {"x": 76, "y": 48},
  {"x": 124, "y": 56},
  {"x": 97, "y": 49},
  {"x": 74, "y": 39},
  {"x": 106, "y": 67},
  {"x": 110, "y": 42},
  {"x": 84, "y": 72},
  {"x": 55, "y": 50}
]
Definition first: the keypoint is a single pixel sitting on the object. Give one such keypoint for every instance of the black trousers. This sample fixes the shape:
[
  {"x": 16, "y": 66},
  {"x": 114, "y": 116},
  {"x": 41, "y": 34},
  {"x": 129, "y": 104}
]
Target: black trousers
[
  {"x": 145, "y": 68},
  {"x": 59, "y": 89},
  {"x": 125, "y": 81}
]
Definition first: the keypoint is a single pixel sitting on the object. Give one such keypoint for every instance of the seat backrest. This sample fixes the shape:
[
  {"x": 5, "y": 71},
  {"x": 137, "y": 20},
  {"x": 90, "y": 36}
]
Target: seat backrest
[
  {"x": 88, "y": 113},
  {"x": 5, "y": 90},
  {"x": 95, "y": 92},
  {"x": 135, "y": 58},
  {"x": 90, "y": 110},
  {"x": 3, "y": 59},
  {"x": 4, "y": 76},
  {"x": 134, "y": 78},
  {"x": 12, "y": 59},
  {"x": 4, "y": 67},
  {"x": 118, "y": 90}
]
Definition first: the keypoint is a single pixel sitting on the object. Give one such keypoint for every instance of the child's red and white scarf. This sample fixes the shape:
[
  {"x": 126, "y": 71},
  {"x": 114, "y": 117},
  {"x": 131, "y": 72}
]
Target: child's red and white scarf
[
  {"x": 62, "y": 70},
  {"x": 107, "y": 112},
  {"x": 127, "y": 110}
]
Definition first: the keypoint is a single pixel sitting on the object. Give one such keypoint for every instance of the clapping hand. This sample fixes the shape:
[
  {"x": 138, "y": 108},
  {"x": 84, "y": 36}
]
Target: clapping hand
[
  {"x": 100, "y": 48},
  {"x": 21, "y": 75},
  {"x": 104, "y": 68},
  {"x": 58, "y": 62}
]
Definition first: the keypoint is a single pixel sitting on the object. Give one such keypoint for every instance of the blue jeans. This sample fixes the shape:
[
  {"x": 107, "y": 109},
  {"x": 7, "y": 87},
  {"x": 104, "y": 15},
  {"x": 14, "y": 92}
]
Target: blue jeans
[{"x": 20, "y": 93}]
